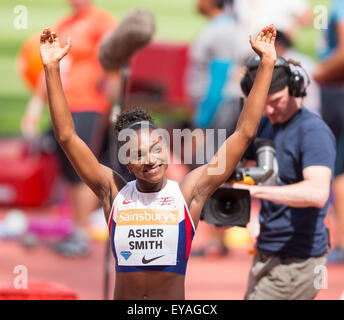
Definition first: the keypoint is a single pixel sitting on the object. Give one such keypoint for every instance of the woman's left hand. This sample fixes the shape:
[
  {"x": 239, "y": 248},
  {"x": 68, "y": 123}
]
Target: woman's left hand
[{"x": 51, "y": 51}]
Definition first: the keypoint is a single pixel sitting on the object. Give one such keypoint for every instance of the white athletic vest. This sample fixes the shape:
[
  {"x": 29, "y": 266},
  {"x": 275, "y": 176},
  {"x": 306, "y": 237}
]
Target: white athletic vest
[{"x": 151, "y": 229}]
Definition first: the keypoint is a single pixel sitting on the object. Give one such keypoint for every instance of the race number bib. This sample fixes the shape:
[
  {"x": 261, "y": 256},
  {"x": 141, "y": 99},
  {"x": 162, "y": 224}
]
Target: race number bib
[{"x": 147, "y": 237}]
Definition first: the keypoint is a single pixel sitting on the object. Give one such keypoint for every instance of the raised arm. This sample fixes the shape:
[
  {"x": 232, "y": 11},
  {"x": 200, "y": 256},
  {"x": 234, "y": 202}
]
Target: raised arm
[
  {"x": 98, "y": 177},
  {"x": 202, "y": 182}
]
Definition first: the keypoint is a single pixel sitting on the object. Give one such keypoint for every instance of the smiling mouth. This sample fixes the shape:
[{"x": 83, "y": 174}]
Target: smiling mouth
[{"x": 153, "y": 169}]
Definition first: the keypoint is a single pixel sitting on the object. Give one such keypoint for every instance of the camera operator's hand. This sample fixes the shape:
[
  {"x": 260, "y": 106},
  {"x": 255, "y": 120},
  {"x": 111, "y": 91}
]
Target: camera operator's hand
[
  {"x": 264, "y": 45},
  {"x": 242, "y": 186}
]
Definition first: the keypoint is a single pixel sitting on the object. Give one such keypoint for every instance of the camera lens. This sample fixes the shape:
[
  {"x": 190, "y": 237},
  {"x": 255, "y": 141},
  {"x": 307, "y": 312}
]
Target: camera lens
[{"x": 228, "y": 207}]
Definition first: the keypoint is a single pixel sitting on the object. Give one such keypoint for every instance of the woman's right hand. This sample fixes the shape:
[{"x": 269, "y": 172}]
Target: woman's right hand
[{"x": 51, "y": 51}]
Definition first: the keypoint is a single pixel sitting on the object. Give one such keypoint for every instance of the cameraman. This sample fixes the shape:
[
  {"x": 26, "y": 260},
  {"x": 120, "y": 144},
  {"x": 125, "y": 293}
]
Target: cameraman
[{"x": 293, "y": 239}]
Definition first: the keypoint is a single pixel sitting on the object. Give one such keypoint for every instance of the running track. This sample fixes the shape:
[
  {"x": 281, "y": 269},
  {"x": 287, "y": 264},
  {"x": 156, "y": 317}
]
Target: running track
[{"x": 207, "y": 278}]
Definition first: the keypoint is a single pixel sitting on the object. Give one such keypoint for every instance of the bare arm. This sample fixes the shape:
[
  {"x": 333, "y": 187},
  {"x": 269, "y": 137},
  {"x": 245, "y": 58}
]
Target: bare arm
[
  {"x": 202, "y": 182},
  {"x": 332, "y": 69},
  {"x": 99, "y": 178},
  {"x": 313, "y": 191}
]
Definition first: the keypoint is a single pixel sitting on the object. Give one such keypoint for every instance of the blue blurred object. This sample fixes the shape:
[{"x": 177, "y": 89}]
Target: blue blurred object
[{"x": 336, "y": 256}]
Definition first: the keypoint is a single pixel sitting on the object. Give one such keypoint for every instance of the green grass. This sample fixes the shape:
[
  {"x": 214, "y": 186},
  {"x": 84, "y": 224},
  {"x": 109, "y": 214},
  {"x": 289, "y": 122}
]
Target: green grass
[{"x": 177, "y": 21}]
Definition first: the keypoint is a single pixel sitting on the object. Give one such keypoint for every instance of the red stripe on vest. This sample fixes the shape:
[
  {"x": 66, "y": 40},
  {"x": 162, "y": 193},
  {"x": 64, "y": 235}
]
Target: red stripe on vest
[
  {"x": 111, "y": 220},
  {"x": 188, "y": 231}
]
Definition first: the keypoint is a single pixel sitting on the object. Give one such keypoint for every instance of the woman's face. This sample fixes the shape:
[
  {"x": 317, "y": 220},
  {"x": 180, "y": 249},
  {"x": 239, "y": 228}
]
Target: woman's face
[{"x": 148, "y": 156}]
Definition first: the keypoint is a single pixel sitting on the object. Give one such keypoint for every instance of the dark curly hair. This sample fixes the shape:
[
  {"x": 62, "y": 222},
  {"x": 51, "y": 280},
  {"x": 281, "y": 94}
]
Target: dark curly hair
[{"x": 130, "y": 116}]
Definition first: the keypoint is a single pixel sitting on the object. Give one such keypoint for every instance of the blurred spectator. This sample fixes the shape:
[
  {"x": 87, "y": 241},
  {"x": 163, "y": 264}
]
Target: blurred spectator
[
  {"x": 213, "y": 80},
  {"x": 284, "y": 49},
  {"x": 287, "y": 15},
  {"x": 330, "y": 75},
  {"x": 213, "y": 77},
  {"x": 85, "y": 89}
]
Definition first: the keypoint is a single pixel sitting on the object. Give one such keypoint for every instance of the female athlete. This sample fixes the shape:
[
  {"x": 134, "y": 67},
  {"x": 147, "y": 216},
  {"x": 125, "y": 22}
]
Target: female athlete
[{"x": 152, "y": 219}]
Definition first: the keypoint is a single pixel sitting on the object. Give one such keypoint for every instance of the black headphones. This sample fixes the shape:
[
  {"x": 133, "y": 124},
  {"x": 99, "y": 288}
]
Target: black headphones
[{"x": 296, "y": 81}]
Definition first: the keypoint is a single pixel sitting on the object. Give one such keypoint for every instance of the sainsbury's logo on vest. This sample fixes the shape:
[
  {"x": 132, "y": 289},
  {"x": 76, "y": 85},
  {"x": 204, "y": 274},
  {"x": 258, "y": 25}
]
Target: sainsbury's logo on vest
[{"x": 147, "y": 217}]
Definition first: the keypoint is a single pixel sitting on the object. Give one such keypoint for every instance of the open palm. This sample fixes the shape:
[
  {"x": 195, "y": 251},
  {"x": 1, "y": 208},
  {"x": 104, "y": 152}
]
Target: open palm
[
  {"x": 50, "y": 48},
  {"x": 264, "y": 45}
]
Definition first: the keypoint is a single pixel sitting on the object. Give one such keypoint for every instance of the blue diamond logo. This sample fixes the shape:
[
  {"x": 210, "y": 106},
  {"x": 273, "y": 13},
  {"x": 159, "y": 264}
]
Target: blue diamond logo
[{"x": 126, "y": 254}]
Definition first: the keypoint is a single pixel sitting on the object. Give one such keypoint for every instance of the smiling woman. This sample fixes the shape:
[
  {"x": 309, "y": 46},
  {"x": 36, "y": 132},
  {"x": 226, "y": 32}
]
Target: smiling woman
[
  {"x": 152, "y": 220},
  {"x": 146, "y": 153},
  {"x": 150, "y": 224}
]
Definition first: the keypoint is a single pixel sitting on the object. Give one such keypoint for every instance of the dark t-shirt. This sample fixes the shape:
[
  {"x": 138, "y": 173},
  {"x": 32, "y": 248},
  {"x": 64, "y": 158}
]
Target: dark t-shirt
[{"x": 304, "y": 140}]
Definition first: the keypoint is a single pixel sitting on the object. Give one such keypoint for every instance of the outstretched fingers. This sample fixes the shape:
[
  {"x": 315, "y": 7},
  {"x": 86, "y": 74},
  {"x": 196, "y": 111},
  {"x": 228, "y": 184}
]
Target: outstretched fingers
[
  {"x": 44, "y": 36},
  {"x": 66, "y": 48},
  {"x": 267, "y": 34},
  {"x": 48, "y": 36},
  {"x": 271, "y": 34},
  {"x": 260, "y": 36},
  {"x": 53, "y": 37}
]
